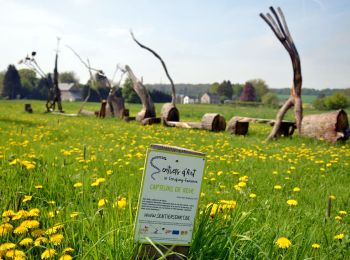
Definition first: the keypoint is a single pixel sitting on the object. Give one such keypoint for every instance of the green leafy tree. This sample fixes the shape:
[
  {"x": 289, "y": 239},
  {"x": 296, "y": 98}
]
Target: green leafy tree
[
  {"x": 337, "y": 101},
  {"x": 2, "y": 75},
  {"x": 29, "y": 83},
  {"x": 129, "y": 93},
  {"x": 214, "y": 88},
  {"x": 12, "y": 83},
  {"x": 270, "y": 99},
  {"x": 261, "y": 88},
  {"x": 237, "y": 89},
  {"x": 225, "y": 90},
  {"x": 68, "y": 77}
]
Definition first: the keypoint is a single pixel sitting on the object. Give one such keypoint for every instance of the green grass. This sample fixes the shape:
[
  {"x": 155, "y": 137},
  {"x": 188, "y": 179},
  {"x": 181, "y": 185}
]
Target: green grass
[
  {"x": 306, "y": 98},
  {"x": 114, "y": 150}
]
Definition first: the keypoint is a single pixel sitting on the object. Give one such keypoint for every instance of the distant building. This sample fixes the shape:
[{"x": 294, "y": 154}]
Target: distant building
[
  {"x": 190, "y": 100},
  {"x": 180, "y": 98},
  {"x": 210, "y": 98},
  {"x": 70, "y": 92}
]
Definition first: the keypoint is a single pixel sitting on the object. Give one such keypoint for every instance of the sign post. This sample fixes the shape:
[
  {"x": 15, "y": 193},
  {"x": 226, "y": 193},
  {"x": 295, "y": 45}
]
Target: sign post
[{"x": 168, "y": 199}]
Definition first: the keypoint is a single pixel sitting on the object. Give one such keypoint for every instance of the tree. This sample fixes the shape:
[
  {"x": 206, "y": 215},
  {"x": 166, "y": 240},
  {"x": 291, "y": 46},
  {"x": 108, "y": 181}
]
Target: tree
[
  {"x": 129, "y": 93},
  {"x": 237, "y": 89},
  {"x": 261, "y": 88},
  {"x": 68, "y": 77},
  {"x": 214, "y": 88},
  {"x": 159, "y": 96},
  {"x": 29, "y": 83},
  {"x": 248, "y": 93},
  {"x": 12, "y": 83},
  {"x": 225, "y": 90},
  {"x": 270, "y": 99},
  {"x": 2, "y": 75},
  {"x": 337, "y": 101}
]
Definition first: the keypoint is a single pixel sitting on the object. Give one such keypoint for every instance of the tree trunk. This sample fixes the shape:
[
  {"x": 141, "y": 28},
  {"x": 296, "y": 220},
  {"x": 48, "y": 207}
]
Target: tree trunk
[
  {"x": 279, "y": 27},
  {"x": 331, "y": 126},
  {"x": 210, "y": 121},
  {"x": 148, "y": 109},
  {"x": 115, "y": 106}
]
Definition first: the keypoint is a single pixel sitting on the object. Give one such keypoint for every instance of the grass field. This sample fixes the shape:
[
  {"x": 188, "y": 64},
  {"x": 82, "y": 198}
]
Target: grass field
[
  {"x": 69, "y": 187},
  {"x": 306, "y": 98}
]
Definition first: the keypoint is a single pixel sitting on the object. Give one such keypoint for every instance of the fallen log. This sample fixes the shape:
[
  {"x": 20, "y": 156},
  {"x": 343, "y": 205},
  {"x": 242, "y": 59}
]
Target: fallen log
[
  {"x": 331, "y": 126},
  {"x": 210, "y": 121},
  {"x": 240, "y": 125},
  {"x": 28, "y": 108},
  {"x": 151, "y": 121}
]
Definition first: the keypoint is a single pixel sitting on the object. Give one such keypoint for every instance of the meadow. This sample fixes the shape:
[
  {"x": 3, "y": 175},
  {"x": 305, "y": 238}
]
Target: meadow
[{"x": 69, "y": 187}]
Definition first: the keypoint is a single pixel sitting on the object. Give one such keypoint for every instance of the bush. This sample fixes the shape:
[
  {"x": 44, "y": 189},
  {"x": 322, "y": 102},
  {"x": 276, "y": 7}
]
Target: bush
[
  {"x": 336, "y": 101},
  {"x": 270, "y": 99}
]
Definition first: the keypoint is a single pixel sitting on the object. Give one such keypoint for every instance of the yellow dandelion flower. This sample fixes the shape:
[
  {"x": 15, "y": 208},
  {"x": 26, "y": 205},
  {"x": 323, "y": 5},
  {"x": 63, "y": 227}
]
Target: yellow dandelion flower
[
  {"x": 109, "y": 172},
  {"x": 277, "y": 187},
  {"x": 26, "y": 241},
  {"x": 283, "y": 243},
  {"x": 65, "y": 257},
  {"x": 121, "y": 203},
  {"x": 202, "y": 194},
  {"x": 342, "y": 212},
  {"x": 34, "y": 212},
  {"x": 7, "y": 246},
  {"x": 30, "y": 224},
  {"x": 15, "y": 254},
  {"x": 338, "y": 218},
  {"x": 56, "y": 239},
  {"x": 102, "y": 203},
  {"x": 20, "y": 214},
  {"x": 38, "y": 233},
  {"x": 242, "y": 184},
  {"x": 20, "y": 230},
  {"x": 252, "y": 195},
  {"x": 48, "y": 253},
  {"x": 68, "y": 250},
  {"x": 316, "y": 246},
  {"x": 77, "y": 185},
  {"x": 214, "y": 208},
  {"x": 332, "y": 197},
  {"x": 74, "y": 214},
  {"x": 228, "y": 204},
  {"x": 8, "y": 213},
  {"x": 296, "y": 189},
  {"x": 94, "y": 184},
  {"x": 38, "y": 187},
  {"x": 339, "y": 236},
  {"x": 292, "y": 202},
  {"x": 40, "y": 241},
  {"x": 27, "y": 198},
  {"x": 5, "y": 228}
]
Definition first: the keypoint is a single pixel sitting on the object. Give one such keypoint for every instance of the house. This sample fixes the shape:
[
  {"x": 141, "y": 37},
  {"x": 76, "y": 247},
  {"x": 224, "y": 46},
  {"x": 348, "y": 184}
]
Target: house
[
  {"x": 70, "y": 92},
  {"x": 190, "y": 100},
  {"x": 180, "y": 98},
  {"x": 210, "y": 98}
]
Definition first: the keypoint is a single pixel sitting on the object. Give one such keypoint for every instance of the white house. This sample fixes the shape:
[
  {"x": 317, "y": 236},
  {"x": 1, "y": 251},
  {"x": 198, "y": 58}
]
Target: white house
[
  {"x": 70, "y": 92},
  {"x": 190, "y": 100},
  {"x": 210, "y": 98}
]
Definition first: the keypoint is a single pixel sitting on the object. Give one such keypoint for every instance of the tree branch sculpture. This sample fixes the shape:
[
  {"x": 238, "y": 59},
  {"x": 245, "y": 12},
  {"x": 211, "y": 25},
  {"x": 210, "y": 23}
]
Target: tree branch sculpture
[
  {"x": 278, "y": 25},
  {"x": 169, "y": 112}
]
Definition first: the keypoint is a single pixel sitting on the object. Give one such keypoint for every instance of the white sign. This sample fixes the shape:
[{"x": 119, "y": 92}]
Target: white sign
[{"x": 169, "y": 196}]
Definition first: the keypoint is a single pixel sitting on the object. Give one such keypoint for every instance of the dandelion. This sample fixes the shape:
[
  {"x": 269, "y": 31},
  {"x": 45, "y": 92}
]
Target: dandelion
[
  {"x": 38, "y": 186},
  {"x": 277, "y": 187},
  {"x": 283, "y": 242},
  {"x": 27, "y": 198},
  {"x": 48, "y": 253},
  {"x": 65, "y": 257},
  {"x": 296, "y": 189},
  {"x": 292, "y": 202},
  {"x": 228, "y": 204},
  {"x": 74, "y": 214},
  {"x": 316, "y": 246},
  {"x": 342, "y": 212},
  {"x": 7, "y": 246},
  {"x": 252, "y": 195},
  {"x": 26, "y": 241},
  {"x": 15, "y": 254},
  {"x": 338, "y": 218},
  {"x": 56, "y": 239},
  {"x": 8, "y": 213},
  {"x": 40, "y": 241},
  {"x": 20, "y": 230},
  {"x": 339, "y": 236},
  {"x": 102, "y": 203},
  {"x": 121, "y": 203},
  {"x": 332, "y": 197},
  {"x": 34, "y": 212},
  {"x": 109, "y": 172},
  {"x": 38, "y": 233},
  {"x": 77, "y": 185},
  {"x": 5, "y": 228},
  {"x": 30, "y": 224},
  {"x": 242, "y": 184}
]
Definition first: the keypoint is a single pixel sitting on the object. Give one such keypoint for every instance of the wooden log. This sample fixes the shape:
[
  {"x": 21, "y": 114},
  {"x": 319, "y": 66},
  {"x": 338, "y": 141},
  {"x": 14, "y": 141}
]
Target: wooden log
[
  {"x": 189, "y": 125},
  {"x": 170, "y": 113},
  {"x": 28, "y": 108},
  {"x": 237, "y": 127},
  {"x": 129, "y": 118},
  {"x": 213, "y": 122},
  {"x": 115, "y": 106},
  {"x": 286, "y": 129},
  {"x": 151, "y": 121},
  {"x": 331, "y": 126}
]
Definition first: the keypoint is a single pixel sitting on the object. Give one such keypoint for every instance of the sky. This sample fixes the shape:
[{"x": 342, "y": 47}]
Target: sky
[{"x": 201, "y": 41}]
